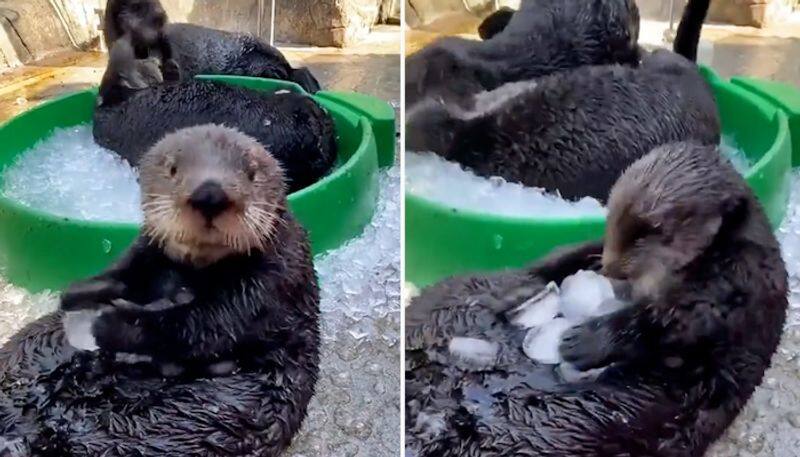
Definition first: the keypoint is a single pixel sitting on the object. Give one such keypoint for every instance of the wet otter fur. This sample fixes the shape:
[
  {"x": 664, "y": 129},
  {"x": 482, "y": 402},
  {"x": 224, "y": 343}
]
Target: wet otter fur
[
  {"x": 710, "y": 290},
  {"x": 215, "y": 214},
  {"x": 541, "y": 38},
  {"x": 198, "y": 50},
  {"x": 574, "y": 132},
  {"x": 130, "y": 120}
]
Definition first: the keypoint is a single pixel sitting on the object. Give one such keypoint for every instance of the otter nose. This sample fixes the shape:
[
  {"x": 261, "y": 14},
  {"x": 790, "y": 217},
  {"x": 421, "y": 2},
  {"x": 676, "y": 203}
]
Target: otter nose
[{"x": 210, "y": 200}]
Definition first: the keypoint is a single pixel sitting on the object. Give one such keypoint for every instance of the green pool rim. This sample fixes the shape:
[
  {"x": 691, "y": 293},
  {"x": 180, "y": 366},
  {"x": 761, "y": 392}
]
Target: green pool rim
[
  {"x": 443, "y": 240},
  {"x": 347, "y": 195}
]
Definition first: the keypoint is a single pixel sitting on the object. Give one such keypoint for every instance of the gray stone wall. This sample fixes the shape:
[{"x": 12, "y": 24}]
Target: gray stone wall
[{"x": 32, "y": 29}]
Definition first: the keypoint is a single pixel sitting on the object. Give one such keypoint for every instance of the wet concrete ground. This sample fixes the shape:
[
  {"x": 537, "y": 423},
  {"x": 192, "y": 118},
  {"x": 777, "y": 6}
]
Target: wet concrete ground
[{"x": 356, "y": 410}]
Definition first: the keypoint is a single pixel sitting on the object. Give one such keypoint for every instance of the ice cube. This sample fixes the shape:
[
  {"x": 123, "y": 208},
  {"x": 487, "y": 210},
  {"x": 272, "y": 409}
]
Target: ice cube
[
  {"x": 539, "y": 309},
  {"x": 78, "y": 329},
  {"x": 583, "y": 293},
  {"x": 541, "y": 343},
  {"x": 475, "y": 350}
]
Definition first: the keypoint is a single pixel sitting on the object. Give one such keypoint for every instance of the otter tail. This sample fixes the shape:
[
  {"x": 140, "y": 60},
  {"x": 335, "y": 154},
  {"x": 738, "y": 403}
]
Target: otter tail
[{"x": 688, "y": 36}]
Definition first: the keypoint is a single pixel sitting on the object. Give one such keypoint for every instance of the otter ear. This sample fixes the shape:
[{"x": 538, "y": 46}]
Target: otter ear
[{"x": 687, "y": 232}]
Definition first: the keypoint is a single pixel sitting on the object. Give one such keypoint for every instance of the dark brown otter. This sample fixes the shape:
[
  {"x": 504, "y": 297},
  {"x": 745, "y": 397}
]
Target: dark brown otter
[
  {"x": 221, "y": 277},
  {"x": 196, "y": 50},
  {"x": 709, "y": 291},
  {"x": 134, "y": 112}
]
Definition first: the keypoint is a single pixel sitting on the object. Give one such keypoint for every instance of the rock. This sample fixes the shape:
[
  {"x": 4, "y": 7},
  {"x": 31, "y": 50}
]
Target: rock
[
  {"x": 312, "y": 22},
  {"x": 325, "y": 22},
  {"x": 390, "y": 12},
  {"x": 754, "y": 13}
]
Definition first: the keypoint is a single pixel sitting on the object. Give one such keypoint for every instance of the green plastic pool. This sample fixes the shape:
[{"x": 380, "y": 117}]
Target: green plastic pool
[
  {"x": 442, "y": 241},
  {"x": 42, "y": 251}
]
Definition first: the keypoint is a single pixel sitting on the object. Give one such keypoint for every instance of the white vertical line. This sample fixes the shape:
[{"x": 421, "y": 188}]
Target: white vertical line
[
  {"x": 401, "y": 152},
  {"x": 272, "y": 25}
]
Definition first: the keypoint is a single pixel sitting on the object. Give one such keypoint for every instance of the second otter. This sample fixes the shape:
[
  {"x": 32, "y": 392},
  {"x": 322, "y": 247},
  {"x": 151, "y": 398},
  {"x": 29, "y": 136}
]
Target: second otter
[
  {"x": 195, "y": 49},
  {"x": 132, "y": 116}
]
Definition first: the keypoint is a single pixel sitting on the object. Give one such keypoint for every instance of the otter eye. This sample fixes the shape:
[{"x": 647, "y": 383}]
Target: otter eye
[{"x": 173, "y": 170}]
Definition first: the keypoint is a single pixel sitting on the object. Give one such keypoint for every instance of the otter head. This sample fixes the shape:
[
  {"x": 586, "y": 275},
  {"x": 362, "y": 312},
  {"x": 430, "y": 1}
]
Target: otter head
[
  {"x": 431, "y": 127},
  {"x": 210, "y": 192},
  {"x": 664, "y": 213},
  {"x": 143, "y": 20},
  {"x": 444, "y": 70},
  {"x": 126, "y": 74}
]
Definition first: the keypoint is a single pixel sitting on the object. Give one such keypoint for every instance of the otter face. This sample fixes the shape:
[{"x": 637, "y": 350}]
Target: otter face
[
  {"x": 144, "y": 20},
  {"x": 665, "y": 211},
  {"x": 431, "y": 127},
  {"x": 209, "y": 192},
  {"x": 444, "y": 71}
]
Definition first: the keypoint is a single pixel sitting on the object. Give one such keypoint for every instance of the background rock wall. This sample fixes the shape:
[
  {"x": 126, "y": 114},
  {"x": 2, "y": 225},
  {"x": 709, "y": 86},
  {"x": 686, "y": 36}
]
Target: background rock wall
[
  {"x": 420, "y": 13},
  {"x": 32, "y": 29}
]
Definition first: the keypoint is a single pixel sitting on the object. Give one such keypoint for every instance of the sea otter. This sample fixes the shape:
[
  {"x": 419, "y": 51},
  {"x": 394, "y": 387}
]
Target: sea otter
[
  {"x": 572, "y": 133},
  {"x": 195, "y": 49},
  {"x": 217, "y": 228},
  {"x": 709, "y": 301},
  {"x": 134, "y": 111},
  {"x": 541, "y": 38}
]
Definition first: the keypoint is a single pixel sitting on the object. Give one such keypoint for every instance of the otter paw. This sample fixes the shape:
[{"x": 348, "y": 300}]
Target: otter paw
[
  {"x": 91, "y": 294},
  {"x": 171, "y": 71},
  {"x": 586, "y": 346},
  {"x": 113, "y": 333}
]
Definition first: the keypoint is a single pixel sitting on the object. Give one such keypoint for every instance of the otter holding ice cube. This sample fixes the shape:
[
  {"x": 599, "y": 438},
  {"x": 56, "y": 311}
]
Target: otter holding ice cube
[
  {"x": 554, "y": 310},
  {"x": 212, "y": 255}
]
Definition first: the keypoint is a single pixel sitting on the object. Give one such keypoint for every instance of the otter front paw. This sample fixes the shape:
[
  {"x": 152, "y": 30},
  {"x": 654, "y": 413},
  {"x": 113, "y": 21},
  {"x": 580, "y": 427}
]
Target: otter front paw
[
  {"x": 91, "y": 294},
  {"x": 587, "y": 346},
  {"x": 171, "y": 71},
  {"x": 115, "y": 334}
]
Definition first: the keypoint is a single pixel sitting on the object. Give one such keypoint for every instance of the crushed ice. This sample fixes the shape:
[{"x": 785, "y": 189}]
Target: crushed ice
[
  {"x": 583, "y": 293},
  {"x": 357, "y": 406},
  {"x": 68, "y": 174},
  {"x": 434, "y": 178},
  {"x": 730, "y": 149}
]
